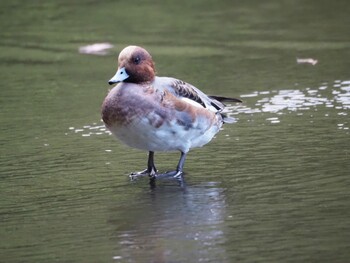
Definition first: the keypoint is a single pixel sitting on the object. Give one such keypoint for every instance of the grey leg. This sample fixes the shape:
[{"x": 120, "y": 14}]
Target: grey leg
[
  {"x": 179, "y": 169},
  {"x": 151, "y": 168}
]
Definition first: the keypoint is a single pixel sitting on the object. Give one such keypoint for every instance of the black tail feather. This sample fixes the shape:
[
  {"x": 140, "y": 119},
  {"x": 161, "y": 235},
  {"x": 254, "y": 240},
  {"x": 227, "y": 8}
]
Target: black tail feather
[
  {"x": 225, "y": 99},
  {"x": 227, "y": 119}
]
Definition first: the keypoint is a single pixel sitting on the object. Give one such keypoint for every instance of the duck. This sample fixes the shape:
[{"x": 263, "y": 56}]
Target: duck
[{"x": 159, "y": 114}]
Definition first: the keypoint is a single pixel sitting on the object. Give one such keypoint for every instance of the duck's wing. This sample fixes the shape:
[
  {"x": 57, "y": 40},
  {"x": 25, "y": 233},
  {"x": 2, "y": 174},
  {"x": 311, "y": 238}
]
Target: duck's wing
[{"x": 183, "y": 89}]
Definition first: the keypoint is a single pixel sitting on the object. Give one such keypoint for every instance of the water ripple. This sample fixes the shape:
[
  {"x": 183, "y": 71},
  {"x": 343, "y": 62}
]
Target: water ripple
[
  {"x": 335, "y": 95},
  {"x": 88, "y": 130}
]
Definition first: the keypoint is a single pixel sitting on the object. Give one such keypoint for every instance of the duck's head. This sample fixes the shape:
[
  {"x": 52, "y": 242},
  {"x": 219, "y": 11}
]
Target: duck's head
[{"x": 135, "y": 65}]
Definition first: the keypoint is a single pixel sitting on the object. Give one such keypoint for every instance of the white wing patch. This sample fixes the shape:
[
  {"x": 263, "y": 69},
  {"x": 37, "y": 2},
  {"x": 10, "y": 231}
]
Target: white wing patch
[{"x": 192, "y": 102}]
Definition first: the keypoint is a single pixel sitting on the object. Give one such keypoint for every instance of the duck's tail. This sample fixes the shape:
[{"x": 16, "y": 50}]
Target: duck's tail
[
  {"x": 225, "y": 99},
  {"x": 225, "y": 118}
]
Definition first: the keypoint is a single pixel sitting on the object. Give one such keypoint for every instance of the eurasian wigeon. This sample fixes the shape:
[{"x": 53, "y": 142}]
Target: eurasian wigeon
[{"x": 159, "y": 113}]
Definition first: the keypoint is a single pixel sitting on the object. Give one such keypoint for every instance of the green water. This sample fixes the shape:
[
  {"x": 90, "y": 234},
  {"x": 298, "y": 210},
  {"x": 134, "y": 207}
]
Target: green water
[{"x": 273, "y": 187}]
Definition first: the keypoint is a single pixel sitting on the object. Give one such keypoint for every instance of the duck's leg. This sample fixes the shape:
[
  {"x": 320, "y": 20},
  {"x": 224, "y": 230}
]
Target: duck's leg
[
  {"x": 151, "y": 168},
  {"x": 177, "y": 174}
]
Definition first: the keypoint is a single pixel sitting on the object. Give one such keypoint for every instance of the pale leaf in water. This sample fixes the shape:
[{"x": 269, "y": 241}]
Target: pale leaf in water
[
  {"x": 307, "y": 61},
  {"x": 96, "y": 49}
]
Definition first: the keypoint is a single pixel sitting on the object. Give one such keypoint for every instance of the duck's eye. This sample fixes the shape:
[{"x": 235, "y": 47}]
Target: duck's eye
[{"x": 137, "y": 60}]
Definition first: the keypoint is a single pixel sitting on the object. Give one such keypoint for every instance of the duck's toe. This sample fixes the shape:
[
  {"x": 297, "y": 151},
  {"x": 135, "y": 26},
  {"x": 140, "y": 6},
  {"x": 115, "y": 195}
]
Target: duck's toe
[
  {"x": 171, "y": 174},
  {"x": 177, "y": 175},
  {"x": 147, "y": 172}
]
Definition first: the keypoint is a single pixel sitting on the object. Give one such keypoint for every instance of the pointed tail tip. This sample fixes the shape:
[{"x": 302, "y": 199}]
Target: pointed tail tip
[
  {"x": 225, "y": 99},
  {"x": 229, "y": 120}
]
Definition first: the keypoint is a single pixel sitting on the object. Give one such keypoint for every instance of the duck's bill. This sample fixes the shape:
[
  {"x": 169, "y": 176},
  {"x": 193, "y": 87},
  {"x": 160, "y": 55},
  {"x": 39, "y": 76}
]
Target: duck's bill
[{"x": 119, "y": 76}]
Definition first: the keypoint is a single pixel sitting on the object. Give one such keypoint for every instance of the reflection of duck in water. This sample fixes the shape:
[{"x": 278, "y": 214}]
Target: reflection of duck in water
[
  {"x": 169, "y": 224},
  {"x": 159, "y": 113}
]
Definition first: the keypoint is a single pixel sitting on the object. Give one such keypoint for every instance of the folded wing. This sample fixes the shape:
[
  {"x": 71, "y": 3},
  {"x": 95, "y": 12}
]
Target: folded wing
[{"x": 183, "y": 89}]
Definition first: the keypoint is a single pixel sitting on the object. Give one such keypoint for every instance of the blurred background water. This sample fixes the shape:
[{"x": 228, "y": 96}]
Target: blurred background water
[{"x": 273, "y": 187}]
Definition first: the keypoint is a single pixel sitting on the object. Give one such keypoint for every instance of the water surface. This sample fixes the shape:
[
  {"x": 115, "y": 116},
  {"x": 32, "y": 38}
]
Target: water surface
[{"x": 273, "y": 187}]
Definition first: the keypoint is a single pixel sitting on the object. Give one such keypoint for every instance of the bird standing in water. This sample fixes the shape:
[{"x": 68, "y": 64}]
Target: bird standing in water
[{"x": 154, "y": 113}]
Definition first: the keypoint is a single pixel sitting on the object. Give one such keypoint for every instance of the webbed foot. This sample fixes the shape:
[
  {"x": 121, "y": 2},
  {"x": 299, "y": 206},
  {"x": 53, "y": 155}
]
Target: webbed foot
[
  {"x": 176, "y": 175},
  {"x": 147, "y": 172},
  {"x": 150, "y": 171}
]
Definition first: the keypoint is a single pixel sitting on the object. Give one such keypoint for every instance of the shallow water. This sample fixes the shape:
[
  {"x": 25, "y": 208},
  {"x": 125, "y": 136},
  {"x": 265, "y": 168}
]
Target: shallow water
[{"x": 273, "y": 187}]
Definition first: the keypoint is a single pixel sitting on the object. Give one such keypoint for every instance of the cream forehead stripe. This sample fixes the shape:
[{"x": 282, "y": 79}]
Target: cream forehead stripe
[{"x": 128, "y": 51}]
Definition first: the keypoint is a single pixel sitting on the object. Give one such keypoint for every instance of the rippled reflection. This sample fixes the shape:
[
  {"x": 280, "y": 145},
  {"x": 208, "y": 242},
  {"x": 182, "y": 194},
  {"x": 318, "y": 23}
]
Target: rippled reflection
[{"x": 180, "y": 225}]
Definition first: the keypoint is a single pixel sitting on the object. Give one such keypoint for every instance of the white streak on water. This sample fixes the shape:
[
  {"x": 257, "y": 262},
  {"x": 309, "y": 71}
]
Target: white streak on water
[{"x": 335, "y": 96}]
